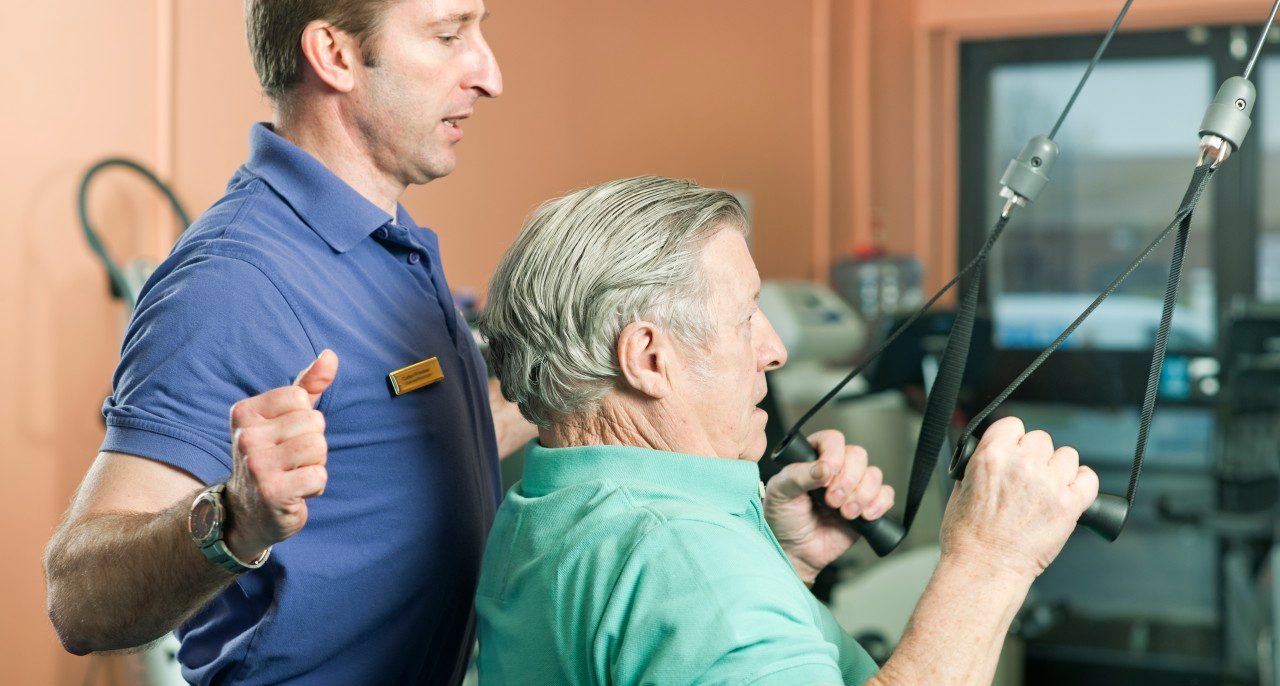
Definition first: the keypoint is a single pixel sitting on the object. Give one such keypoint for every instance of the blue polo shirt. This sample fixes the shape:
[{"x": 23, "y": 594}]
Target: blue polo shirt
[{"x": 379, "y": 585}]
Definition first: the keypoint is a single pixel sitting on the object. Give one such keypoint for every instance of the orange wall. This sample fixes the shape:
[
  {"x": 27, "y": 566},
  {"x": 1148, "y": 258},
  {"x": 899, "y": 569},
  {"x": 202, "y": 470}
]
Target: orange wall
[
  {"x": 78, "y": 85},
  {"x": 717, "y": 91},
  {"x": 837, "y": 116}
]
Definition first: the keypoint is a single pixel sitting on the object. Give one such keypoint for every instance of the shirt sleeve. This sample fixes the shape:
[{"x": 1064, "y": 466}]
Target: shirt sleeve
[
  {"x": 207, "y": 333},
  {"x": 856, "y": 664},
  {"x": 702, "y": 603}
]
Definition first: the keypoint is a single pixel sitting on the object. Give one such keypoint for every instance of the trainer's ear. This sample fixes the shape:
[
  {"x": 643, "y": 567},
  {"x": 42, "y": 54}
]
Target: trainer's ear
[
  {"x": 646, "y": 358},
  {"x": 331, "y": 54}
]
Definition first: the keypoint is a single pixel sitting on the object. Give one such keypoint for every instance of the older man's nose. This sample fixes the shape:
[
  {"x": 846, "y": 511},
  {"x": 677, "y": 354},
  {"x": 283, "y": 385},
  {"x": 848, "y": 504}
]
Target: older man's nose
[{"x": 772, "y": 353}]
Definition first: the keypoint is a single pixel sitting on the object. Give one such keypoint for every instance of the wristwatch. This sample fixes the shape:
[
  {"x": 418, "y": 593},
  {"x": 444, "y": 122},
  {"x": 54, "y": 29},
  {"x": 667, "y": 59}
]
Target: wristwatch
[{"x": 207, "y": 523}]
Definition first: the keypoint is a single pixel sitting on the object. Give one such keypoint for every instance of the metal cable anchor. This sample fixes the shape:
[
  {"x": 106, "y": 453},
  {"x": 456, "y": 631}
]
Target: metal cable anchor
[{"x": 1226, "y": 121}]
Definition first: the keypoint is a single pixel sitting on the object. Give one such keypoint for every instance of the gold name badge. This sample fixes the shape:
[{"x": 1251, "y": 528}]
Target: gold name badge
[{"x": 416, "y": 376}]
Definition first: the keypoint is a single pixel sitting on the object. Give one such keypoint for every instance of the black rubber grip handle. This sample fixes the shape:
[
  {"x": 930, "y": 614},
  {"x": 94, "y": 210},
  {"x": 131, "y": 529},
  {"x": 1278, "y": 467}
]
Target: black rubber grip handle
[
  {"x": 883, "y": 534},
  {"x": 1106, "y": 515}
]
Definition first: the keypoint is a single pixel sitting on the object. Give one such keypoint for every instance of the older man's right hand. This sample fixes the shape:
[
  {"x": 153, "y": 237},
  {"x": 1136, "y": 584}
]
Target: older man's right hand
[
  {"x": 1018, "y": 502},
  {"x": 814, "y": 537},
  {"x": 278, "y": 460}
]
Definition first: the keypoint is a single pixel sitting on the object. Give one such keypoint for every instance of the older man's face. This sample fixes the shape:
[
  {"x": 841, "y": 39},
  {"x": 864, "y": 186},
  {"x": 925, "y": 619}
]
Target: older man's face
[{"x": 743, "y": 347}]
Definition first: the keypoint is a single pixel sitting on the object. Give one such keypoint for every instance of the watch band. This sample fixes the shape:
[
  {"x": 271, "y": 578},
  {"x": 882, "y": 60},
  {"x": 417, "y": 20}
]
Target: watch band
[
  {"x": 216, "y": 550},
  {"x": 220, "y": 555}
]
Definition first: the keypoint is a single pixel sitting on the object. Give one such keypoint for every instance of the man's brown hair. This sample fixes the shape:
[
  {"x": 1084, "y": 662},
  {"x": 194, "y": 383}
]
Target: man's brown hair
[{"x": 275, "y": 31}]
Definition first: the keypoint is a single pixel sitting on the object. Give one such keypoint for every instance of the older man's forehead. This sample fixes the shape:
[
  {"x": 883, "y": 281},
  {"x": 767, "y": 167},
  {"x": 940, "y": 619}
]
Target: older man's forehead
[
  {"x": 740, "y": 271},
  {"x": 753, "y": 281}
]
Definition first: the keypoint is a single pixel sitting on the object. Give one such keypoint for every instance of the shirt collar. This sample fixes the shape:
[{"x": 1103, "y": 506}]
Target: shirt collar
[
  {"x": 333, "y": 209},
  {"x": 727, "y": 484}
]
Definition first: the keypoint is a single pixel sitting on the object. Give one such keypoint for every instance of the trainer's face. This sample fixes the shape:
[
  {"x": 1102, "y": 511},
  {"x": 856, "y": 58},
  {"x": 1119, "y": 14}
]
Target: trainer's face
[{"x": 430, "y": 64}]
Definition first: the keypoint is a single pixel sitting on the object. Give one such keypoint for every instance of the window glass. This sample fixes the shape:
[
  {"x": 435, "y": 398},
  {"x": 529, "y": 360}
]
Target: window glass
[
  {"x": 1127, "y": 151},
  {"x": 1267, "y": 79}
]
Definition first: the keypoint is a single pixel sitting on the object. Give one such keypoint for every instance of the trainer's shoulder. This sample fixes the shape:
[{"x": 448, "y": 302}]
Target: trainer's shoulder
[{"x": 250, "y": 222}]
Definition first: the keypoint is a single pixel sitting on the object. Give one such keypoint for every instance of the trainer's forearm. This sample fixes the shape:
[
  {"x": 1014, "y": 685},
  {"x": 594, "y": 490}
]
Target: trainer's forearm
[
  {"x": 119, "y": 580},
  {"x": 956, "y": 633}
]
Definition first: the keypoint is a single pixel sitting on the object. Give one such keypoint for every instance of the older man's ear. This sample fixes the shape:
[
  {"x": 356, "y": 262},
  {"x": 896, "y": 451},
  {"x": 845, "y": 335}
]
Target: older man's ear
[{"x": 646, "y": 358}]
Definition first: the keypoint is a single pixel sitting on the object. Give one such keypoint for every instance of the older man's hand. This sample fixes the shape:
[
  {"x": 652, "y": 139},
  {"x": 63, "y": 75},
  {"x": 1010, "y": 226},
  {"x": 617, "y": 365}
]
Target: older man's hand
[
  {"x": 812, "y": 538},
  {"x": 1019, "y": 501}
]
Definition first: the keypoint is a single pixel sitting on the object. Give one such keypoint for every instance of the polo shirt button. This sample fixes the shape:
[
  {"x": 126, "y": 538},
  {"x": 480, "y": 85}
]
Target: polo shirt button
[
  {"x": 414, "y": 257},
  {"x": 382, "y": 233}
]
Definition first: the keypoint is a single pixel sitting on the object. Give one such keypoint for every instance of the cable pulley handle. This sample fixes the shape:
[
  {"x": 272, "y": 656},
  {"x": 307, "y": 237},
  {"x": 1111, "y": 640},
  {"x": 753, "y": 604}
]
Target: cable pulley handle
[{"x": 883, "y": 534}]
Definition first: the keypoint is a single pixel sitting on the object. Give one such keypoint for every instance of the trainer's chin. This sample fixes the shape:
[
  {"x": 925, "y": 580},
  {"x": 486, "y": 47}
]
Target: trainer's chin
[{"x": 437, "y": 164}]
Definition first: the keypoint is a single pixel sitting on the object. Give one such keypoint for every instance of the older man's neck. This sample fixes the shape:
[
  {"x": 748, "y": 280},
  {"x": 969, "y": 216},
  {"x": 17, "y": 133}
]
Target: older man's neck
[{"x": 627, "y": 426}]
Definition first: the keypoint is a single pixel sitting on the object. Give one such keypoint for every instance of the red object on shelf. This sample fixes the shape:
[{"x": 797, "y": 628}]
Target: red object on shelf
[{"x": 868, "y": 251}]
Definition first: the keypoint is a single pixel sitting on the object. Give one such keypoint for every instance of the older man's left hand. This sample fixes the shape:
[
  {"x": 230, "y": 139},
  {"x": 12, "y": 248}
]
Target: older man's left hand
[{"x": 811, "y": 538}]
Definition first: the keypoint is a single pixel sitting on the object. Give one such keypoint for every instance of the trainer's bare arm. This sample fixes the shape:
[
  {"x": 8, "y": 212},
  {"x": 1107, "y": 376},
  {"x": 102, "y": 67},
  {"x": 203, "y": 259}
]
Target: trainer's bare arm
[{"x": 122, "y": 568}]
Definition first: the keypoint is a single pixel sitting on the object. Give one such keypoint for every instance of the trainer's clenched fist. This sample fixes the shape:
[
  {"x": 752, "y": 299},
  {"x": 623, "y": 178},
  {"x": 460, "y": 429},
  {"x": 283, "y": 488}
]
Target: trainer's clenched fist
[{"x": 278, "y": 455}]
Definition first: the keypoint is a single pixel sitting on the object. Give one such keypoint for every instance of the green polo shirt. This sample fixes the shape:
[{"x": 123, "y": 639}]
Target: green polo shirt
[{"x": 613, "y": 565}]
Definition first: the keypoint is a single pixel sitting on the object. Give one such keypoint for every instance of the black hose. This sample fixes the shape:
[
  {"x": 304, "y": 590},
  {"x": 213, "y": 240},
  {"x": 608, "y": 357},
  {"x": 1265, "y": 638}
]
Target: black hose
[{"x": 120, "y": 284}]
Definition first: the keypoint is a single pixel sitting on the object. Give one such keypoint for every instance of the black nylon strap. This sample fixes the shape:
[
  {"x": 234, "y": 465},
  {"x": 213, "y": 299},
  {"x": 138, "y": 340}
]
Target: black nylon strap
[
  {"x": 1189, "y": 202},
  {"x": 1182, "y": 223},
  {"x": 794, "y": 432},
  {"x": 946, "y": 386}
]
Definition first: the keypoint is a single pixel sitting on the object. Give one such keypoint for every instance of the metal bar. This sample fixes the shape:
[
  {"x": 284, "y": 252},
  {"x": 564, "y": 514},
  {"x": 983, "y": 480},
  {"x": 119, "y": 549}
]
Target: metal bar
[{"x": 1262, "y": 39}]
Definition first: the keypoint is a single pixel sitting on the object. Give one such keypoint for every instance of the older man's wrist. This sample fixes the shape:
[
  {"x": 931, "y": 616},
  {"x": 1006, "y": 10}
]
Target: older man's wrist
[
  {"x": 807, "y": 573},
  {"x": 974, "y": 565}
]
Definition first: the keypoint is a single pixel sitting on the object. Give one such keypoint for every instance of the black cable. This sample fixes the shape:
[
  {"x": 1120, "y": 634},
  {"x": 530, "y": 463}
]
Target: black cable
[
  {"x": 1097, "y": 56},
  {"x": 117, "y": 276}
]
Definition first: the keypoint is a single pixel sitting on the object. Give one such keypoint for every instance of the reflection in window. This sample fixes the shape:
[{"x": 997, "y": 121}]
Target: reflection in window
[
  {"x": 1268, "y": 81},
  {"x": 1128, "y": 150}
]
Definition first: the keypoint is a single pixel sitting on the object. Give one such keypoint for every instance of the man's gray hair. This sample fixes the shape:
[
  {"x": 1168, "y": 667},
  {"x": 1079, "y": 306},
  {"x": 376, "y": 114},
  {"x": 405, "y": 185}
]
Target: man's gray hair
[{"x": 585, "y": 266}]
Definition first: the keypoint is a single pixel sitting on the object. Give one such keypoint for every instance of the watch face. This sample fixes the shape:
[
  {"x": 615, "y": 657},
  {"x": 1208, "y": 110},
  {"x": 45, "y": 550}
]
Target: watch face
[{"x": 204, "y": 519}]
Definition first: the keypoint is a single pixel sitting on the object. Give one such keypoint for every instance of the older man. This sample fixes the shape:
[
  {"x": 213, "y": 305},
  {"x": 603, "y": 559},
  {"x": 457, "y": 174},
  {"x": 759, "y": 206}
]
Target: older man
[{"x": 639, "y": 548}]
